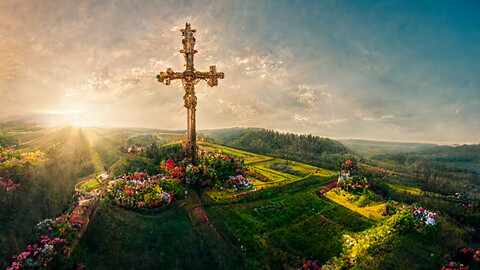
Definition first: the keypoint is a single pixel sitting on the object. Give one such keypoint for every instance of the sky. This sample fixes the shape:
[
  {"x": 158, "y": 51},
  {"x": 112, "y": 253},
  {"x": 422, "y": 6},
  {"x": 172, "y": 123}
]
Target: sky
[{"x": 379, "y": 70}]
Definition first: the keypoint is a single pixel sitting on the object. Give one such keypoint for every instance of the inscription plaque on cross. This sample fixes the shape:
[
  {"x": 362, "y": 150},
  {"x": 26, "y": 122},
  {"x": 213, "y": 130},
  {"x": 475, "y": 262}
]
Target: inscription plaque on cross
[{"x": 190, "y": 77}]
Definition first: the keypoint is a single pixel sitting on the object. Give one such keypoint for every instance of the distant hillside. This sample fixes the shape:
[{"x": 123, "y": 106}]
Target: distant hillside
[
  {"x": 463, "y": 153},
  {"x": 313, "y": 150},
  {"x": 227, "y": 135},
  {"x": 465, "y": 157},
  {"x": 367, "y": 148}
]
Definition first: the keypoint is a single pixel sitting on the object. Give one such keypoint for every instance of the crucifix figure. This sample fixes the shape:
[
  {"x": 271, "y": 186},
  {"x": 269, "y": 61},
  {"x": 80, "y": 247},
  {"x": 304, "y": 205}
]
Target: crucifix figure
[{"x": 190, "y": 77}]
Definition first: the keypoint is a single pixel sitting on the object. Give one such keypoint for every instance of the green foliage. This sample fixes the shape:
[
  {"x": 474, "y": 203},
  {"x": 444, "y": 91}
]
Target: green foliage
[
  {"x": 158, "y": 154},
  {"x": 6, "y": 141}
]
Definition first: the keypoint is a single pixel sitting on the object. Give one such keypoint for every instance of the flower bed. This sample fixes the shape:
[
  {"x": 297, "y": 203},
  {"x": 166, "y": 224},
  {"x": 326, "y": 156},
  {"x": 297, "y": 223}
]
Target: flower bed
[
  {"x": 55, "y": 234},
  {"x": 142, "y": 191},
  {"x": 212, "y": 170}
]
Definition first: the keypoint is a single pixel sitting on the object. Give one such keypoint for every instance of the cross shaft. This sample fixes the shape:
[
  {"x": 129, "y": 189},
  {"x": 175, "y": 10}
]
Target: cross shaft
[{"x": 190, "y": 77}]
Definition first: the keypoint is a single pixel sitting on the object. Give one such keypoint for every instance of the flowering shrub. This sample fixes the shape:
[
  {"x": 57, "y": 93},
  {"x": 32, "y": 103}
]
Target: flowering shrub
[
  {"x": 355, "y": 184},
  {"x": 311, "y": 265},
  {"x": 469, "y": 207},
  {"x": 347, "y": 167},
  {"x": 462, "y": 259},
  {"x": 39, "y": 255},
  {"x": 421, "y": 215},
  {"x": 65, "y": 226},
  {"x": 8, "y": 185},
  {"x": 141, "y": 191}
]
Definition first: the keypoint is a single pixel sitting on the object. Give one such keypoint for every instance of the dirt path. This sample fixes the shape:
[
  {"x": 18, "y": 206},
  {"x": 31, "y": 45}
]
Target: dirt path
[
  {"x": 198, "y": 217},
  {"x": 88, "y": 205}
]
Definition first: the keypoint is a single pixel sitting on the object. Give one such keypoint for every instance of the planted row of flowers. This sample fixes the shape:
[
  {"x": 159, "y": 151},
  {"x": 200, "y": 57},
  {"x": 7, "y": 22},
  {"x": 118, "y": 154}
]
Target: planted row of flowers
[{"x": 142, "y": 191}]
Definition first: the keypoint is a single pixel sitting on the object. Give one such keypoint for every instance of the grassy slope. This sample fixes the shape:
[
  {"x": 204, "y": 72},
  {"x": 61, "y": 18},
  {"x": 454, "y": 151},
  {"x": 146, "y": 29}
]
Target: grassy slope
[{"x": 123, "y": 239}]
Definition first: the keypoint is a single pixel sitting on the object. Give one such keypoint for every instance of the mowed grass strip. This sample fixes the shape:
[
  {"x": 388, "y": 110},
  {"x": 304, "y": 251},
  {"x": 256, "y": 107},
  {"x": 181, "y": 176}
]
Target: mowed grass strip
[
  {"x": 374, "y": 211},
  {"x": 249, "y": 157},
  {"x": 409, "y": 190}
]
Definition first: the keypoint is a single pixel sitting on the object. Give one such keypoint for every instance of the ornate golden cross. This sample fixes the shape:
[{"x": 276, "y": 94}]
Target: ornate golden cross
[{"x": 189, "y": 78}]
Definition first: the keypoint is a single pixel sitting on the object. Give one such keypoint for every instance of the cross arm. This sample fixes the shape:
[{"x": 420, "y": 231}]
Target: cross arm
[
  {"x": 212, "y": 76},
  {"x": 166, "y": 77}
]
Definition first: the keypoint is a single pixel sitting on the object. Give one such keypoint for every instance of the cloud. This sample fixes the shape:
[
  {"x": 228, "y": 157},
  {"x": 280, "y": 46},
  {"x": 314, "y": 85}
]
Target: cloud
[{"x": 322, "y": 68}]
